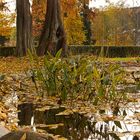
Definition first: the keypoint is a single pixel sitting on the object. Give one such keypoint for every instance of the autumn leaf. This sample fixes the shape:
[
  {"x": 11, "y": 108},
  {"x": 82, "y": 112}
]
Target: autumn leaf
[{"x": 23, "y": 137}]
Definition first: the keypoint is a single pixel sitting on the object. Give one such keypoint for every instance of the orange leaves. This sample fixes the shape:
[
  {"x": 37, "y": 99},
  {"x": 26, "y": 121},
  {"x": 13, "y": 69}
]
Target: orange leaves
[
  {"x": 3, "y": 112},
  {"x": 13, "y": 64},
  {"x": 38, "y": 15}
]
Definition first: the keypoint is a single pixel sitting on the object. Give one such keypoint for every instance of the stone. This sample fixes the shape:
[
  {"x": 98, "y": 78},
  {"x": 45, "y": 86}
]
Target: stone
[{"x": 3, "y": 131}]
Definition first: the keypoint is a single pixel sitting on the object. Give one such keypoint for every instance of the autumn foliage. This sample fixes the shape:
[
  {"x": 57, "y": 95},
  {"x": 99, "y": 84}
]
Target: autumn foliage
[
  {"x": 71, "y": 18},
  {"x": 38, "y": 16},
  {"x": 112, "y": 25},
  {"x": 115, "y": 25},
  {"x": 6, "y": 23},
  {"x": 73, "y": 22},
  {"x": 7, "y": 20}
]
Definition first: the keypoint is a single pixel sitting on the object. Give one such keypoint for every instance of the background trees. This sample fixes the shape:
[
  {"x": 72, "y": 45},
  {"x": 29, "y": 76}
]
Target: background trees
[
  {"x": 114, "y": 25},
  {"x": 73, "y": 22},
  {"x": 6, "y": 22}
]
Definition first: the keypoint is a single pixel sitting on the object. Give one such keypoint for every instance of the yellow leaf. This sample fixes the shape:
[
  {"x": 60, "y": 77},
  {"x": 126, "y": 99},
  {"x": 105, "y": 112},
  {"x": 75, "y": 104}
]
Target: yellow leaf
[{"x": 23, "y": 137}]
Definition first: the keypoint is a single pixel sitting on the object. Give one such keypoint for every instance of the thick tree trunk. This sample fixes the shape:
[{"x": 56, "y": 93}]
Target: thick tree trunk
[
  {"x": 53, "y": 36},
  {"x": 24, "y": 25}
]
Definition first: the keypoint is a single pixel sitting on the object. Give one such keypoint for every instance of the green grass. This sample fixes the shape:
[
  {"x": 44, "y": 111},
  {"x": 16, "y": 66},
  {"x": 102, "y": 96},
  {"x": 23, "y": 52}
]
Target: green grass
[{"x": 126, "y": 59}]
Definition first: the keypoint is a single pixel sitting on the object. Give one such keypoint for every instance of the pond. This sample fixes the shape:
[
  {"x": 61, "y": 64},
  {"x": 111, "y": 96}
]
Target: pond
[{"x": 103, "y": 125}]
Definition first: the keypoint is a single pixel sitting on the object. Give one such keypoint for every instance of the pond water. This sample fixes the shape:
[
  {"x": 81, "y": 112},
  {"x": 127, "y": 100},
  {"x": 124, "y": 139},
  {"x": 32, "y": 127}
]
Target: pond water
[{"x": 76, "y": 126}]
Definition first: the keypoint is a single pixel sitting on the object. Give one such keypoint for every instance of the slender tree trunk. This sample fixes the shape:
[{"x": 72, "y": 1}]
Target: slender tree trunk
[
  {"x": 24, "y": 26},
  {"x": 87, "y": 23},
  {"x": 53, "y": 36}
]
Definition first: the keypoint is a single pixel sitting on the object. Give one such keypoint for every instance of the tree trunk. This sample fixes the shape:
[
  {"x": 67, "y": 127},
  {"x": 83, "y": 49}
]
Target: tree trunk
[
  {"x": 53, "y": 36},
  {"x": 87, "y": 23},
  {"x": 24, "y": 25}
]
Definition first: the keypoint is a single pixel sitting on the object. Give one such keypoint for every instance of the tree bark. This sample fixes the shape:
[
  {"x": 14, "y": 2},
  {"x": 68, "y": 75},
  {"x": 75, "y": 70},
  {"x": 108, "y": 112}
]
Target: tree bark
[
  {"x": 24, "y": 26},
  {"x": 53, "y": 36}
]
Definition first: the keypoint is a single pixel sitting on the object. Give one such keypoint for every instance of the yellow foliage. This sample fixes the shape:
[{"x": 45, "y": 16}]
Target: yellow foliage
[
  {"x": 74, "y": 30},
  {"x": 6, "y": 22},
  {"x": 73, "y": 22},
  {"x": 70, "y": 15},
  {"x": 113, "y": 26}
]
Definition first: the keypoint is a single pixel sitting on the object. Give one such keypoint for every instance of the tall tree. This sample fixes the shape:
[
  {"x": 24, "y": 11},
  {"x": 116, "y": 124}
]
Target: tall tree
[
  {"x": 53, "y": 36},
  {"x": 87, "y": 24},
  {"x": 86, "y": 13},
  {"x": 24, "y": 25}
]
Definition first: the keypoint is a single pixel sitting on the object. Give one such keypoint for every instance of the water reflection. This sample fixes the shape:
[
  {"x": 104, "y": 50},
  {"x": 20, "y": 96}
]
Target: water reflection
[{"x": 79, "y": 127}]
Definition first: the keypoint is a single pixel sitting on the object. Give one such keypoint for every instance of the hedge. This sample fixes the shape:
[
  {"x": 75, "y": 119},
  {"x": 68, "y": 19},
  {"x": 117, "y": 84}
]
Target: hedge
[
  {"x": 7, "y": 51},
  {"x": 108, "y": 51}
]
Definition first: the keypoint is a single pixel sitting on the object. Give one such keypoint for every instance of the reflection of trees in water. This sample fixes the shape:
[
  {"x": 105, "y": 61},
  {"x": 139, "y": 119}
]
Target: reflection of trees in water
[
  {"x": 135, "y": 138},
  {"x": 76, "y": 126},
  {"x": 21, "y": 135}
]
